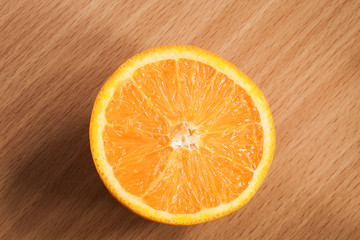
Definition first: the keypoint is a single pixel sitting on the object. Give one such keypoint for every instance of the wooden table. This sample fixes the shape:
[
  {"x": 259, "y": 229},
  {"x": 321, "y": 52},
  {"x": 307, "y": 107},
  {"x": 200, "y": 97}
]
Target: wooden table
[{"x": 55, "y": 55}]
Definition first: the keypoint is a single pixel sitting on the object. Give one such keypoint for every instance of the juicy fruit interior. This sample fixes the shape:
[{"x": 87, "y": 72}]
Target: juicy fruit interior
[{"x": 182, "y": 137}]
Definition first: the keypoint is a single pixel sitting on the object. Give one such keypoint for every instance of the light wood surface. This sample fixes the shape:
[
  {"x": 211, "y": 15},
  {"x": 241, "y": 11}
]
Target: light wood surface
[{"x": 55, "y": 55}]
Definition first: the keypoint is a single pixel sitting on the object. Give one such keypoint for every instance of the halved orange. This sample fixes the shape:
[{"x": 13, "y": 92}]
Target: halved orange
[{"x": 181, "y": 136}]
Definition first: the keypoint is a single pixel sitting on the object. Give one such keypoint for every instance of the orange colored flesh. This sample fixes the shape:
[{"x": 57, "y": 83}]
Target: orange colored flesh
[{"x": 182, "y": 137}]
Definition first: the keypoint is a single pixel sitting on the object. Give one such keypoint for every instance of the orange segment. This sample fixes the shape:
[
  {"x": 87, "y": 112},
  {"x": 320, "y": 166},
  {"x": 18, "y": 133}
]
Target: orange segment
[
  {"x": 128, "y": 108},
  {"x": 158, "y": 83},
  {"x": 194, "y": 78},
  {"x": 137, "y": 174},
  {"x": 237, "y": 112},
  {"x": 206, "y": 190},
  {"x": 243, "y": 144},
  {"x": 174, "y": 191},
  {"x": 216, "y": 96},
  {"x": 181, "y": 136},
  {"x": 132, "y": 123},
  {"x": 231, "y": 178}
]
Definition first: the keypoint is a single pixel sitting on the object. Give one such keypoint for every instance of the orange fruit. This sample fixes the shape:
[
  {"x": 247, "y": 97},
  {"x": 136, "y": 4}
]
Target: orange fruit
[{"x": 181, "y": 136}]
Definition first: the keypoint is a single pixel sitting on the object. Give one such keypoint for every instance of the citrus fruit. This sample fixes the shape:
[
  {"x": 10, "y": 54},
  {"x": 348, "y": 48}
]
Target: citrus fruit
[{"x": 181, "y": 136}]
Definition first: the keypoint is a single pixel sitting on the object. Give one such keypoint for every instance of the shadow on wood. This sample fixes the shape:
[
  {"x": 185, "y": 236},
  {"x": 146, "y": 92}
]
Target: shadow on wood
[
  {"x": 65, "y": 183},
  {"x": 55, "y": 189}
]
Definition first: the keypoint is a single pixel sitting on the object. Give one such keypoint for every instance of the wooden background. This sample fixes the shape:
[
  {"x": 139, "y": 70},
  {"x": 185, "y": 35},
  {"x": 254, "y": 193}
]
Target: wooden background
[{"x": 55, "y": 55}]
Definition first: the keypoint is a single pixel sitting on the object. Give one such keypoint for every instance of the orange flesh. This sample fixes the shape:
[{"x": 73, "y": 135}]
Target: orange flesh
[{"x": 182, "y": 137}]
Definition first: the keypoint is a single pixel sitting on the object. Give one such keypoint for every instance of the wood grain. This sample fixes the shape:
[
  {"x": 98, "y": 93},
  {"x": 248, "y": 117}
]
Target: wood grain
[{"x": 55, "y": 55}]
